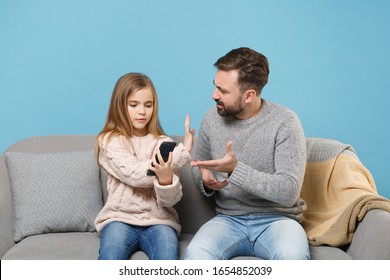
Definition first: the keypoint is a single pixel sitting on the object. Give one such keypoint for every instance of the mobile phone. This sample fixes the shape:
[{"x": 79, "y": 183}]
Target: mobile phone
[{"x": 165, "y": 148}]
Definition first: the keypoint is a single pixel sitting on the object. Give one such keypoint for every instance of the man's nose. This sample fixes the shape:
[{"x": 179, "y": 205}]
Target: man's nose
[{"x": 215, "y": 95}]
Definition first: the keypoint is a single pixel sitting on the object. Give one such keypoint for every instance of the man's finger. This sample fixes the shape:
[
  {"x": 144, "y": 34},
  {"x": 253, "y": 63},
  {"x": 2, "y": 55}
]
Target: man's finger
[
  {"x": 229, "y": 147},
  {"x": 216, "y": 185},
  {"x": 205, "y": 164}
]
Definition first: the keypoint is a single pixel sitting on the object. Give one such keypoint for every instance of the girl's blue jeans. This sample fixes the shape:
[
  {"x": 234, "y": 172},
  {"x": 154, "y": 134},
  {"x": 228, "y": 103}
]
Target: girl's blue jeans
[
  {"x": 265, "y": 236},
  {"x": 119, "y": 241}
]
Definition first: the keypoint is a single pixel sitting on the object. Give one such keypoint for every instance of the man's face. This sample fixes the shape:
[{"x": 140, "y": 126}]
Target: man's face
[{"x": 227, "y": 94}]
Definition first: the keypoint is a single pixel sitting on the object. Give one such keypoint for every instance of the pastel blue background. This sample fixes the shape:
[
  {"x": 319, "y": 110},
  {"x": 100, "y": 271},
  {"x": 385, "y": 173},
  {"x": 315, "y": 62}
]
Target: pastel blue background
[{"x": 59, "y": 61}]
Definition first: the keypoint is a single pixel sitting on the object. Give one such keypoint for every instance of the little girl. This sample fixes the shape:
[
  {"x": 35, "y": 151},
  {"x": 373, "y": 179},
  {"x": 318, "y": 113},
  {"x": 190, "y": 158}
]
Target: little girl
[{"x": 139, "y": 213}]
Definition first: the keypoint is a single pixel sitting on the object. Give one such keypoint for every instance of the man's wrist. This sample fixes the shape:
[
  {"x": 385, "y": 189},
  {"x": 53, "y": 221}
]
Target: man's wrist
[{"x": 230, "y": 173}]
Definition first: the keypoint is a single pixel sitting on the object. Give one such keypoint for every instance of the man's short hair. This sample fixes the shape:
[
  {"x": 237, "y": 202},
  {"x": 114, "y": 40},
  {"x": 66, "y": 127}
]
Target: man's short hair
[{"x": 253, "y": 68}]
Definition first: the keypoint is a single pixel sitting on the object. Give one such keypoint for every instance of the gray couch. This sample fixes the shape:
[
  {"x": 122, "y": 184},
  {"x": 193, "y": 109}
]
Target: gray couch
[{"x": 58, "y": 224}]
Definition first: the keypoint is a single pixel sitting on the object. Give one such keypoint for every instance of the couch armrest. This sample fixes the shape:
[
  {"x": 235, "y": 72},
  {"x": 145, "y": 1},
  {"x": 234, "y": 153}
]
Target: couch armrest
[
  {"x": 372, "y": 237},
  {"x": 6, "y": 210}
]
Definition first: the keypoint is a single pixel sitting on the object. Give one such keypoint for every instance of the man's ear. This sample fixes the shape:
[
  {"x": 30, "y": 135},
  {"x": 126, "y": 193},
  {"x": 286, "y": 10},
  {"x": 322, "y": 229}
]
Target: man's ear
[{"x": 250, "y": 95}]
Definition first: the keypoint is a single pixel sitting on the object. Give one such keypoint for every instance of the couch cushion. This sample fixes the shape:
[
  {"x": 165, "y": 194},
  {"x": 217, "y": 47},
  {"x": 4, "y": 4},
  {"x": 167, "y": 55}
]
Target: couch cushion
[
  {"x": 56, "y": 246},
  {"x": 54, "y": 192},
  {"x": 328, "y": 253}
]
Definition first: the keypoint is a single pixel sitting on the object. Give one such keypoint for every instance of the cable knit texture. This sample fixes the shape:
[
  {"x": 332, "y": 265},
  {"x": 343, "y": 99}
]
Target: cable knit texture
[
  {"x": 133, "y": 197},
  {"x": 270, "y": 149}
]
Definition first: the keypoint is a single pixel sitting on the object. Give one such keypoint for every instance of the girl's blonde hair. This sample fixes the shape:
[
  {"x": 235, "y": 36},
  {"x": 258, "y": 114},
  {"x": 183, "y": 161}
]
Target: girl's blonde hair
[{"x": 118, "y": 122}]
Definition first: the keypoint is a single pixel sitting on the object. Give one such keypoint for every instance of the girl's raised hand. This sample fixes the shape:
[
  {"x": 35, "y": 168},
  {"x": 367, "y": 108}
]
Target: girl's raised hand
[{"x": 188, "y": 141}]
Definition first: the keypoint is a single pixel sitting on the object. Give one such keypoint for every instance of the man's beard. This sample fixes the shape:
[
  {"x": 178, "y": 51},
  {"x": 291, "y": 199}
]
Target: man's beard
[{"x": 230, "y": 111}]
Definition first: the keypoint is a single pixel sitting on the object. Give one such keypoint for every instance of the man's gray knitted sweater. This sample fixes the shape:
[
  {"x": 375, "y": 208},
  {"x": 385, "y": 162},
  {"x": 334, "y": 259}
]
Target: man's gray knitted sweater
[{"x": 270, "y": 149}]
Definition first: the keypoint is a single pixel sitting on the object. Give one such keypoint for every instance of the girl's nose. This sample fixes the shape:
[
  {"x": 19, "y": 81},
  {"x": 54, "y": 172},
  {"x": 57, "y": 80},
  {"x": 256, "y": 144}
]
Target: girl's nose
[{"x": 142, "y": 110}]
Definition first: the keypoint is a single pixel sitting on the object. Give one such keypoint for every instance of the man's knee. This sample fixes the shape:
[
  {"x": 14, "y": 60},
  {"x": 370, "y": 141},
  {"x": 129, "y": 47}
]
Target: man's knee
[
  {"x": 292, "y": 254},
  {"x": 196, "y": 252}
]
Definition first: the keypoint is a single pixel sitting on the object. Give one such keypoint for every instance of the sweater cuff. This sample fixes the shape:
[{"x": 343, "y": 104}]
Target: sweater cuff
[
  {"x": 168, "y": 195},
  {"x": 239, "y": 174},
  {"x": 175, "y": 181},
  {"x": 206, "y": 192},
  {"x": 180, "y": 157}
]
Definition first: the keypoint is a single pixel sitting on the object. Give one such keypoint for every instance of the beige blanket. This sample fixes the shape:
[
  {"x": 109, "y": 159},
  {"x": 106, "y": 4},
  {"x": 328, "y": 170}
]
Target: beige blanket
[{"x": 338, "y": 191}]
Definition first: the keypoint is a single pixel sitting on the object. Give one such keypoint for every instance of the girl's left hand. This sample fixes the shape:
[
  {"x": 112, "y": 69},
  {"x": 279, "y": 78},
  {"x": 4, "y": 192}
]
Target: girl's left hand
[
  {"x": 163, "y": 170},
  {"x": 188, "y": 141}
]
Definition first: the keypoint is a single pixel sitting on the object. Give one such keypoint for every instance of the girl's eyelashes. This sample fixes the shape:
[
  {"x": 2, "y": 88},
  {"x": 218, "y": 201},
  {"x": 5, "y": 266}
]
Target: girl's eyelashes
[{"x": 148, "y": 105}]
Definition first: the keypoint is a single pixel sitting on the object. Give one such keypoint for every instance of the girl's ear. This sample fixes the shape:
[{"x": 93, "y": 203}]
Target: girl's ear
[{"x": 250, "y": 94}]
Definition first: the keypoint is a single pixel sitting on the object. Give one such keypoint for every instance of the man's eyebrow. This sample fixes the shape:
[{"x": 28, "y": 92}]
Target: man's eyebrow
[
  {"x": 216, "y": 85},
  {"x": 220, "y": 88}
]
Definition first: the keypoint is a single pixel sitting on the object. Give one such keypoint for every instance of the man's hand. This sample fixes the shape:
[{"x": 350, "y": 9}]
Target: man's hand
[
  {"x": 209, "y": 180},
  {"x": 225, "y": 164}
]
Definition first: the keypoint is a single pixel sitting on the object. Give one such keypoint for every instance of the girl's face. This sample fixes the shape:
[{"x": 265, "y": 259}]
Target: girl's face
[{"x": 140, "y": 108}]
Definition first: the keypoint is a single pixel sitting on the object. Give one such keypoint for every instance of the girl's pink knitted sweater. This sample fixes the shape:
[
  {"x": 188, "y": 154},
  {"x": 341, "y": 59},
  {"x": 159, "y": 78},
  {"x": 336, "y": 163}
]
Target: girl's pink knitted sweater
[{"x": 133, "y": 197}]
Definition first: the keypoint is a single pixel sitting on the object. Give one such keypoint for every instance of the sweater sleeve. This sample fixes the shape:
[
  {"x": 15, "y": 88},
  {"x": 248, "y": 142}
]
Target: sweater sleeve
[
  {"x": 283, "y": 186},
  {"x": 123, "y": 165},
  {"x": 202, "y": 153},
  {"x": 180, "y": 155},
  {"x": 169, "y": 195}
]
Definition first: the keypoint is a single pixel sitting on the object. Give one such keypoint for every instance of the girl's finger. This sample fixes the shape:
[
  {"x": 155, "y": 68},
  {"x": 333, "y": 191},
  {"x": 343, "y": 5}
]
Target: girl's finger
[
  {"x": 187, "y": 123},
  {"x": 159, "y": 156},
  {"x": 170, "y": 158}
]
